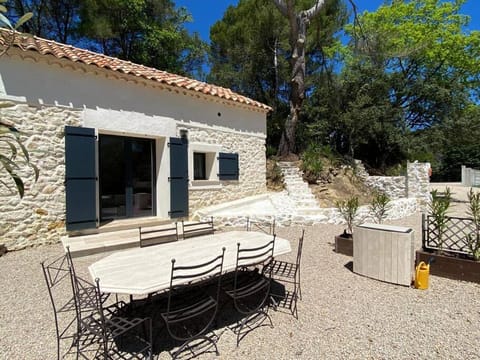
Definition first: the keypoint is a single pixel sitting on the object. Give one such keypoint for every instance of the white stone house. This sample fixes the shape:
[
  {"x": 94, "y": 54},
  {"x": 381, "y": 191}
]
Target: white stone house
[{"x": 115, "y": 140}]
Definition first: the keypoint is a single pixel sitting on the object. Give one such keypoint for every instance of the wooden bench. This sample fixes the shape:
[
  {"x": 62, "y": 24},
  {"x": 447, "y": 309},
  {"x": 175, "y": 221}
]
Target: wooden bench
[
  {"x": 197, "y": 228},
  {"x": 154, "y": 235}
]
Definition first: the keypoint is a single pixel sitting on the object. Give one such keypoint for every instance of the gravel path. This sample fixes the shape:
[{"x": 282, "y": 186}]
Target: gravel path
[{"x": 342, "y": 315}]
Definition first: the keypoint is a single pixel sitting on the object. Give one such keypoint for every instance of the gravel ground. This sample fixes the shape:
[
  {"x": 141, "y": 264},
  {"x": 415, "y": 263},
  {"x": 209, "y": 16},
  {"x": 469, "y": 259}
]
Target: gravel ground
[{"x": 342, "y": 315}]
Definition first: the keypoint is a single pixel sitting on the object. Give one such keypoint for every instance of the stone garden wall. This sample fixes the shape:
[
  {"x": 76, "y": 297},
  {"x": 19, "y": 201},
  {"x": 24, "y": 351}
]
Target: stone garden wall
[
  {"x": 38, "y": 218},
  {"x": 415, "y": 184}
]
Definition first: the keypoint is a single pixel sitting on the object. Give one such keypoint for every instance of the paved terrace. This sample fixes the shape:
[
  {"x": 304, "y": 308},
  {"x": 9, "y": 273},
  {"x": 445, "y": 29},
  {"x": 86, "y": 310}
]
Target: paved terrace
[{"x": 342, "y": 315}]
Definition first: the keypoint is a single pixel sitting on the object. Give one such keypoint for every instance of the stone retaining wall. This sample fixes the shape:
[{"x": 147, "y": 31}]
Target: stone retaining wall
[
  {"x": 398, "y": 209},
  {"x": 38, "y": 218},
  {"x": 415, "y": 184}
]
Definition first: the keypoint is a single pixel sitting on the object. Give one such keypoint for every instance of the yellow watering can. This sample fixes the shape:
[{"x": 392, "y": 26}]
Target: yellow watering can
[{"x": 421, "y": 275}]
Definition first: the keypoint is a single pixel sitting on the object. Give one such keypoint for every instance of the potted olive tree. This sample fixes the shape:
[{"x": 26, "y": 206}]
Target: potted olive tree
[
  {"x": 348, "y": 209},
  {"x": 379, "y": 207}
]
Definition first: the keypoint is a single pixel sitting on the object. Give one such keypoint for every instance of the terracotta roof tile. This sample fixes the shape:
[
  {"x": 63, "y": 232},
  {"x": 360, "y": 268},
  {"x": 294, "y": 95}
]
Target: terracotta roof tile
[{"x": 28, "y": 42}]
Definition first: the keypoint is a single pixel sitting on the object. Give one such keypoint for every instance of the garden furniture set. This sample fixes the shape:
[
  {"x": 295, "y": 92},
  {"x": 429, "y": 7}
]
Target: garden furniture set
[{"x": 181, "y": 283}]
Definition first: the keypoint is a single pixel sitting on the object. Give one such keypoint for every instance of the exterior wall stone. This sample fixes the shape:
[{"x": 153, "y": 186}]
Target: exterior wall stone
[
  {"x": 252, "y": 164},
  {"x": 414, "y": 185},
  {"x": 418, "y": 180},
  {"x": 38, "y": 218}
]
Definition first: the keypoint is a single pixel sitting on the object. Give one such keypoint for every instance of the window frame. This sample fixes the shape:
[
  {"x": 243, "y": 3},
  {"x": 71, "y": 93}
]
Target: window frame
[{"x": 211, "y": 152}]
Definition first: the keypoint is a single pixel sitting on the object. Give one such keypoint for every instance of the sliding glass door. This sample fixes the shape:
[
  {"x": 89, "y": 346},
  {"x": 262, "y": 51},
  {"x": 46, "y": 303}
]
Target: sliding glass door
[{"x": 126, "y": 177}]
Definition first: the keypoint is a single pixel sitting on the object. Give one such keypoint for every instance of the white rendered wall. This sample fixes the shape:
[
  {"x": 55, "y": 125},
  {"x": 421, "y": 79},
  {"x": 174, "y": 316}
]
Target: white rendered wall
[{"x": 37, "y": 82}]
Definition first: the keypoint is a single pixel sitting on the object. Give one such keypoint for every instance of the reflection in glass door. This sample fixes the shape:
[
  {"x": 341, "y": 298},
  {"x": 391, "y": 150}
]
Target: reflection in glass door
[{"x": 126, "y": 177}]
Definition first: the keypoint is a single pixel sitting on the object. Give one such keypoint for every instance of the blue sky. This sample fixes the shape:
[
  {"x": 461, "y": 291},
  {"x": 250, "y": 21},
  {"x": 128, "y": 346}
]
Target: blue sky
[{"x": 206, "y": 12}]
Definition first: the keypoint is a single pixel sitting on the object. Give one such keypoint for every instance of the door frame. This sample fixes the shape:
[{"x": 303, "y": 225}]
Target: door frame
[{"x": 128, "y": 173}]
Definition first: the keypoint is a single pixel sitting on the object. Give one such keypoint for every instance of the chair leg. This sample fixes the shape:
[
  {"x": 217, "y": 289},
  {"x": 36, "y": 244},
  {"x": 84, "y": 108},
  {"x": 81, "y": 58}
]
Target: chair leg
[
  {"x": 299, "y": 286},
  {"x": 186, "y": 345},
  {"x": 245, "y": 320}
]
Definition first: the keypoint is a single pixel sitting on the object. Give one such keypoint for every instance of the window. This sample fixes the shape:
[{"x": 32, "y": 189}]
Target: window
[
  {"x": 199, "y": 171},
  {"x": 203, "y": 166}
]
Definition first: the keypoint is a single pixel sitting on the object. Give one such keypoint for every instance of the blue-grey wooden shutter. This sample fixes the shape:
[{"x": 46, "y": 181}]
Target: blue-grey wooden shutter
[
  {"x": 227, "y": 166},
  {"x": 80, "y": 178},
  {"x": 178, "y": 177}
]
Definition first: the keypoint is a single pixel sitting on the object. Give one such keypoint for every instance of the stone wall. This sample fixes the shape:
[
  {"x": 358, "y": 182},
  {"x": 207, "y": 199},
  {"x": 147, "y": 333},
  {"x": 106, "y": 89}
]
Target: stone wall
[
  {"x": 252, "y": 164},
  {"x": 415, "y": 184},
  {"x": 38, "y": 218},
  {"x": 418, "y": 181}
]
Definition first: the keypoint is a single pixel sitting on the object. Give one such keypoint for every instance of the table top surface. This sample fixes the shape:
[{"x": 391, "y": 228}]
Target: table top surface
[{"x": 142, "y": 271}]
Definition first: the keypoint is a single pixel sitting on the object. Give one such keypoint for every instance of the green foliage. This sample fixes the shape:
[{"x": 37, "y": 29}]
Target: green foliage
[
  {"x": 149, "y": 32},
  {"x": 379, "y": 206},
  {"x": 14, "y": 156},
  {"x": 409, "y": 66},
  {"x": 6, "y": 23},
  {"x": 473, "y": 240},
  {"x": 250, "y": 53},
  {"x": 274, "y": 175},
  {"x": 312, "y": 164},
  {"x": 439, "y": 207},
  {"x": 52, "y": 19},
  {"x": 348, "y": 209}
]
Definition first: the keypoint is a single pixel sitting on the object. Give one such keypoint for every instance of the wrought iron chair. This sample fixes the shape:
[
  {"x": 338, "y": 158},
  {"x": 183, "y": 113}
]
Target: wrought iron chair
[
  {"x": 157, "y": 235},
  {"x": 190, "y": 309},
  {"x": 114, "y": 333},
  {"x": 57, "y": 278},
  {"x": 197, "y": 228},
  {"x": 58, "y": 275},
  {"x": 288, "y": 272},
  {"x": 250, "y": 289},
  {"x": 263, "y": 226}
]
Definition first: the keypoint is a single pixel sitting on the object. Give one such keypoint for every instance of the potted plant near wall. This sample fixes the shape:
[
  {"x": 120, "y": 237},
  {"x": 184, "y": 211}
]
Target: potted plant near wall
[
  {"x": 348, "y": 209},
  {"x": 379, "y": 207}
]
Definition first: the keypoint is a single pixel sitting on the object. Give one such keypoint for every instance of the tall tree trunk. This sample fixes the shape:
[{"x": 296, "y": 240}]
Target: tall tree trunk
[{"x": 298, "y": 23}]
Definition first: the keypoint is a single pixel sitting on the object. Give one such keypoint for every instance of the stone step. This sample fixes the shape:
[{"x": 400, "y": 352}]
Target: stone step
[
  {"x": 97, "y": 243},
  {"x": 113, "y": 240},
  {"x": 308, "y": 210},
  {"x": 299, "y": 187}
]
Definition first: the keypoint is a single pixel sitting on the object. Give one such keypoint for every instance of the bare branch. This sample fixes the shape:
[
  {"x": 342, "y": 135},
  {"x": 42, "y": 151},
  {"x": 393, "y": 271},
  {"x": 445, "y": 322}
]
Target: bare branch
[{"x": 314, "y": 10}]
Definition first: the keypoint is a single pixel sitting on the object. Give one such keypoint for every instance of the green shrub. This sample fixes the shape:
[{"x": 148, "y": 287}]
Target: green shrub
[
  {"x": 379, "y": 206},
  {"x": 348, "y": 209},
  {"x": 438, "y": 210},
  {"x": 473, "y": 240},
  {"x": 271, "y": 151},
  {"x": 312, "y": 165}
]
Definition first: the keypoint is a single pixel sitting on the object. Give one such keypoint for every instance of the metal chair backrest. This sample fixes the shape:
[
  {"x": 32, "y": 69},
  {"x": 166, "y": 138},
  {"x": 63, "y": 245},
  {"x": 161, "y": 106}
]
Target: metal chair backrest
[
  {"x": 185, "y": 277},
  {"x": 300, "y": 247},
  {"x": 157, "y": 235},
  {"x": 248, "y": 258},
  {"x": 197, "y": 228},
  {"x": 263, "y": 226},
  {"x": 252, "y": 257},
  {"x": 57, "y": 275}
]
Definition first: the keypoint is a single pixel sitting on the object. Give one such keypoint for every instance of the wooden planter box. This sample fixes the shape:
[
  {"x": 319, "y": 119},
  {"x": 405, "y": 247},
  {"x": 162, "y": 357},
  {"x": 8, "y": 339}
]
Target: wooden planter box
[
  {"x": 3, "y": 249},
  {"x": 384, "y": 252},
  {"x": 344, "y": 245},
  {"x": 451, "y": 267}
]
